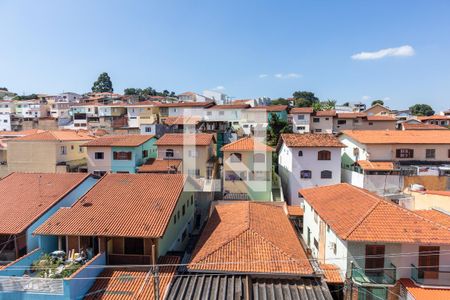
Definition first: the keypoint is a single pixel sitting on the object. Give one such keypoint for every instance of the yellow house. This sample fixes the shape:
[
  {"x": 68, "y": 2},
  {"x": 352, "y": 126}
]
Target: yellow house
[
  {"x": 378, "y": 110},
  {"x": 57, "y": 151},
  {"x": 247, "y": 170}
]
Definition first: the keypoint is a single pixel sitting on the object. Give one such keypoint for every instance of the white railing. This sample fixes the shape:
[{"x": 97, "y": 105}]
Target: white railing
[{"x": 31, "y": 285}]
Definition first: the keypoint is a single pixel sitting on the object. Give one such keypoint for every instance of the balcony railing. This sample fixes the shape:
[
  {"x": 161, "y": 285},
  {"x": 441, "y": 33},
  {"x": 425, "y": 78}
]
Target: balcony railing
[
  {"x": 385, "y": 276},
  {"x": 425, "y": 276}
]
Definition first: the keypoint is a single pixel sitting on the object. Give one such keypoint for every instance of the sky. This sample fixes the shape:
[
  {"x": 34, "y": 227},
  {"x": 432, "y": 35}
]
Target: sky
[{"x": 352, "y": 51}]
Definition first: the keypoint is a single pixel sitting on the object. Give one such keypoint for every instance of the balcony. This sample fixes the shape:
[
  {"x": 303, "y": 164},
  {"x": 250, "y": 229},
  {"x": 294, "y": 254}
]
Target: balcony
[
  {"x": 385, "y": 276},
  {"x": 425, "y": 277}
]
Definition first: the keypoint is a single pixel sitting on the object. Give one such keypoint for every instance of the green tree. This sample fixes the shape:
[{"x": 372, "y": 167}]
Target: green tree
[
  {"x": 381, "y": 102},
  {"x": 3, "y": 89},
  {"x": 280, "y": 101},
  {"x": 329, "y": 104},
  {"x": 276, "y": 127},
  {"x": 304, "y": 98},
  {"x": 421, "y": 110},
  {"x": 103, "y": 84}
]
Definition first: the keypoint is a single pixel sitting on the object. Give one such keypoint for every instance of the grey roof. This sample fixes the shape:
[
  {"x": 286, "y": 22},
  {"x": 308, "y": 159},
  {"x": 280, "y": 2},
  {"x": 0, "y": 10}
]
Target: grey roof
[{"x": 206, "y": 286}]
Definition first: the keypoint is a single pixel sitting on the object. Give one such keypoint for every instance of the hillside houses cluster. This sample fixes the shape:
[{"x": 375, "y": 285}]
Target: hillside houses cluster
[{"x": 184, "y": 198}]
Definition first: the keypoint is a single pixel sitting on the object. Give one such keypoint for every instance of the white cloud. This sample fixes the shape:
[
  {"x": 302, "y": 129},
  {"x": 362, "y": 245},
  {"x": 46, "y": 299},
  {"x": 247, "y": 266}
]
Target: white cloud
[
  {"x": 399, "y": 51},
  {"x": 287, "y": 76},
  {"x": 386, "y": 98},
  {"x": 262, "y": 75},
  {"x": 219, "y": 88},
  {"x": 366, "y": 97}
]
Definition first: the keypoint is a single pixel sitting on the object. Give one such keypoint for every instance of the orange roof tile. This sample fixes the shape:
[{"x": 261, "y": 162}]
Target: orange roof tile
[
  {"x": 57, "y": 135},
  {"x": 249, "y": 237},
  {"x": 295, "y": 211},
  {"x": 205, "y": 104},
  {"x": 134, "y": 283},
  {"x": 27, "y": 196},
  {"x": 381, "y": 118},
  {"x": 20, "y": 133},
  {"x": 423, "y": 126},
  {"x": 126, "y": 140},
  {"x": 399, "y": 136},
  {"x": 351, "y": 115},
  {"x": 357, "y": 215},
  {"x": 124, "y": 205},
  {"x": 160, "y": 165},
  {"x": 190, "y": 120},
  {"x": 247, "y": 144},
  {"x": 376, "y": 165},
  {"x": 270, "y": 108},
  {"x": 302, "y": 110},
  {"x": 420, "y": 293},
  {"x": 310, "y": 140},
  {"x": 231, "y": 106},
  {"x": 439, "y": 193},
  {"x": 180, "y": 139},
  {"x": 435, "y": 117},
  {"x": 332, "y": 273},
  {"x": 435, "y": 215},
  {"x": 325, "y": 113}
]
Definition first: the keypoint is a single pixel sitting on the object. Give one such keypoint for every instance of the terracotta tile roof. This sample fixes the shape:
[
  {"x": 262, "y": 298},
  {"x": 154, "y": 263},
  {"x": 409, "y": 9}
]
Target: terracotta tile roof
[
  {"x": 399, "y": 136},
  {"x": 136, "y": 283},
  {"x": 191, "y": 120},
  {"x": 381, "y": 118},
  {"x": 302, "y": 110},
  {"x": 20, "y": 133},
  {"x": 205, "y": 104},
  {"x": 247, "y": 144},
  {"x": 420, "y": 293},
  {"x": 310, "y": 140},
  {"x": 376, "y": 165},
  {"x": 123, "y": 205},
  {"x": 422, "y": 126},
  {"x": 250, "y": 237},
  {"x": 270, "y": 108},
  {"x": 325, "y": 113},
  {"x": 57, "y": 135},
  {"x": 355, "y": 214},
  {"x": 126, "y": 140},
  {"x": 351, "y": 115},
  {"x": 180, "y": 139},
  {"x": 160, "y": 165},
  {"x": 332, "y": 273},
  {"x": 295, "y": 211},
  {"x": 435, "y": 215},
  {"x": 439, "y": 193},
  {"x": 231, "y": 106},
  {"x": 26, "y": 196},
  {"x": 435, "y": 117}
]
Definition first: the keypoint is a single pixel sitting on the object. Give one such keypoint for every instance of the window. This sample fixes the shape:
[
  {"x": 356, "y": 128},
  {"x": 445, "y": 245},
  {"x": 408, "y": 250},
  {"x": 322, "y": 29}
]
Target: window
[
  {"x": 63, "y": 150},
  {"x": 179, "y": 216},
  {"x": 169, "y": 152},
  {"x": 300, "y": 117},
  {"x": 318, "y": 130},
  {"x": 221, "y": 113},
  {"x": 429, "y": 262},
  {"x": 306, "y": 174},
  {"x": 342, "y": 122},
  {"x": 145, "y": 153},
  {"x": 148, "y": 129},
  {"x": 72, "y": 147},
  {"x": 236, "y": 157},
  {"x": 175, "y": 219},
  {"x": 99, "y": 155},
  {"x": 316, "y": 217},
  {"x": 300, "y": 153},
  {"x": 192, "y": 153},
  {"x": 134, "y": 246},
  {"x": 374, "y": 258},
  {"x": 209, "y": 113},
  {"x": 235, "y": 176},
  {"x": 326, "y": 174},
  {"x": 404, "y": 153},
  {"x": 448, "y": 153},
  {"x": 301, "y": 128},
  {"x": 324, "y": 155},
  {"x": 80, "y": 149},
  {"x": 183, "y": 210},
  {"x": 430, "y": 153},
  {"x": 316, "y": 120},
  {"x": 192, "y": 199},
  {"x": 316, "y": 244},
  {"x": 99, "y": 173},
  {"x": 259, "y": 158},
  {"x": 122, "y": 155}
]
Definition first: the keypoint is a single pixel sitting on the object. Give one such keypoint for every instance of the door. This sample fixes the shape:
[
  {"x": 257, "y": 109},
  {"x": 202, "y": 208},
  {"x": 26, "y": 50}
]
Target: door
[
  {"x": 429, "y": 262},
  {"x": 375, "y": 259}
]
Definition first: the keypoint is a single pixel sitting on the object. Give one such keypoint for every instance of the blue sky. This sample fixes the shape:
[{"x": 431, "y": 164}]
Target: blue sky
[{"x": 249, "y": 48}]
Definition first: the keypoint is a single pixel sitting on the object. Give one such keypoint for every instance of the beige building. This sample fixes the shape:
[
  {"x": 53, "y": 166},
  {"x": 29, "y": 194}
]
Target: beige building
[
  {"x": 197, "y": 151},
  {"x": 378, "y": 110},
  {"x": 48, "y": 152}
]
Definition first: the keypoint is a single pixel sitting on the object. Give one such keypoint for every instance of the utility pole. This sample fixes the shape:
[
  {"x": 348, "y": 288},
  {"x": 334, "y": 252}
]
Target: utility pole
[{"x": 155, "y": 274}]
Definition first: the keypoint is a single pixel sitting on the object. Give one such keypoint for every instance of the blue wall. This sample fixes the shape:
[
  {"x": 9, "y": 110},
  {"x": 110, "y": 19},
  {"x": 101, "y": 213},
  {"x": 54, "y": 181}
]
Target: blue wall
[
  {"x": 67, "y": 201},
  {"x": 18, "y": 268},
  {"x": 136, "y": 158}
]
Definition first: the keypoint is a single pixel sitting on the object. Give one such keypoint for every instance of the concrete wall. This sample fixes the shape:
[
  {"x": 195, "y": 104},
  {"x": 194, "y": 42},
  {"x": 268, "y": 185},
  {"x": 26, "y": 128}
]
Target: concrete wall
[
  {"x": 32, "y": 156},
  {"x": 325, "y": 125}
]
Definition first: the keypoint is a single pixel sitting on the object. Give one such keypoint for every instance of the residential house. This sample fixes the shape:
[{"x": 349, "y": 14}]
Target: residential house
[
  {"x": 5, "y": 122},
  {"x": 48, "y": 151},
  {"x": 183, "y": 109},
  {"x": 68, "y": 97},
  {"x": 82, "y": 114},
  {"x": 373, "y": 241},
  {"x": 421, "y": 126},
  {"x": 218, "y": 97},
  {"x": 28, "y": 199},
  {"x": 308, "y": 160},
  {"x": 119, "y": 153},
  {"x": 121, "y": 220},
  {"x": 223, "y": 117},
  {"x": 259, "y": 117},
  {"x": 269, "y": 259},
  {"x": 247, "y": 170},
  {"x": 378, "y": 110},
  {"x": 145, "y": 116},
  {"x": 322, "y": 121},
  {"x": 60, "y": 110},
  {"x": 386, "y": 161},
  {"x": 192, "y": 97},
  {"x": 300, "y": 118},
  {"x": 362, "y": 121},
  {"x": 436, "y": 120},
  {"x": 181, "y": 124},
  {"x": 197, "y": 152}
]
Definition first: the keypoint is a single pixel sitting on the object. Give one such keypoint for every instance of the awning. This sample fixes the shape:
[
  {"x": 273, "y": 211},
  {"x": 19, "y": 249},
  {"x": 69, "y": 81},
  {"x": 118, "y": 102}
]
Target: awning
[{"x": 367, "y": 165}]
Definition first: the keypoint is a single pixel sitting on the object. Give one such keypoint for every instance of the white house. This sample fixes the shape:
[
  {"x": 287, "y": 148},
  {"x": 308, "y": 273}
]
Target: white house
[
  {"x": 5, "y": 122},
  {"x": 374, "y": 241},
  {"x": 192, "y": 97},
  {"x": 301, "y": 118},
  {"x": 7, "y": 107},
  {"x": 218, "y": 97},
  {"x": 308, "y": 160}
]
